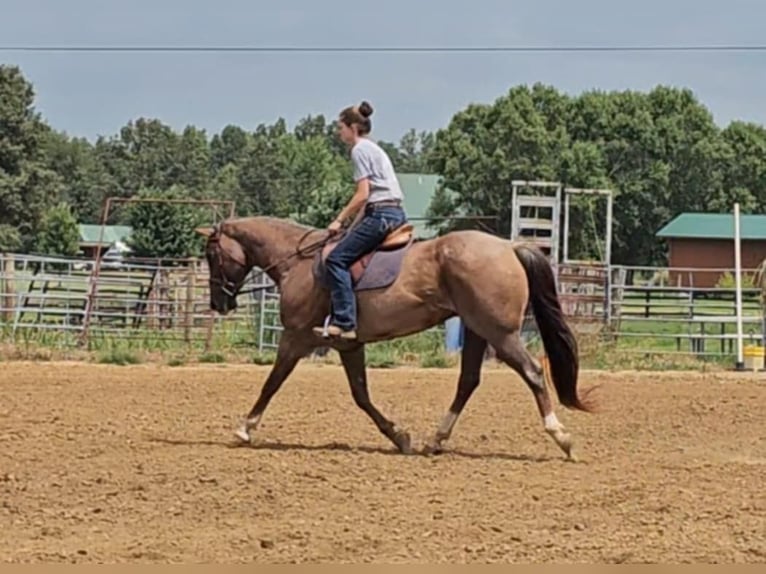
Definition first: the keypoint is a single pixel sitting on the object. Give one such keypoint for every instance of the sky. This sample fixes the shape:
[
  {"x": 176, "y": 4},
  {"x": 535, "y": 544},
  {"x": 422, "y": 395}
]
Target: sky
[{"x": 91, "y": 94}]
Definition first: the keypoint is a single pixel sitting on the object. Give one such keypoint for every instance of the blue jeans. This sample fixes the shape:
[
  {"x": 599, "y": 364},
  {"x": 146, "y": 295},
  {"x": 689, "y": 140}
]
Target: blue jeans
[{"x": 361, "y": 239}]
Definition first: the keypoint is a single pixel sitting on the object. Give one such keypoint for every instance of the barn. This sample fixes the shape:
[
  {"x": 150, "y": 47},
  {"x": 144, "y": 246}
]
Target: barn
[{"x": 701, "y": 246}]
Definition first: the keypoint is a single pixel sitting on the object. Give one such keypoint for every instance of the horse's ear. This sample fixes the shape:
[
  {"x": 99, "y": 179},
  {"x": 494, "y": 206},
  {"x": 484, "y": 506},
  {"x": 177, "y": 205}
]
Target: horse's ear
[{"x": 205, "y": 231}]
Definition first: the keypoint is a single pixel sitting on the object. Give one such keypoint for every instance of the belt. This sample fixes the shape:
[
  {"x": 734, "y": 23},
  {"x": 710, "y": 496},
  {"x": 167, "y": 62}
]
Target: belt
[{"x": 384, "y": 203}]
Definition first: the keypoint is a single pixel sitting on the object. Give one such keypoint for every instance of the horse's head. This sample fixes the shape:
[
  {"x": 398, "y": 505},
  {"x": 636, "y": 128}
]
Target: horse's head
[{"x": 228, "y": 264}]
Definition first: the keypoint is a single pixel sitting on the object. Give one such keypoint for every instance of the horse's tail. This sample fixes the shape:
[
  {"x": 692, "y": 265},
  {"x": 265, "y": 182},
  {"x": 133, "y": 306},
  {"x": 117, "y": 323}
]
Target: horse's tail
[{"x": 558, "y": 339}]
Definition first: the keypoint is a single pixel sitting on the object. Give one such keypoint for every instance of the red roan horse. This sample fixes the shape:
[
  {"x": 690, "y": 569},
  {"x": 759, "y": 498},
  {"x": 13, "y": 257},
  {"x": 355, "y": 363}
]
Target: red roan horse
[{"x": 405, "y": 287}]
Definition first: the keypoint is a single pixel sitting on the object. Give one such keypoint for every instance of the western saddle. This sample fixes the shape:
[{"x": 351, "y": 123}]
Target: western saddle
[{"x": 397, "y": 237}]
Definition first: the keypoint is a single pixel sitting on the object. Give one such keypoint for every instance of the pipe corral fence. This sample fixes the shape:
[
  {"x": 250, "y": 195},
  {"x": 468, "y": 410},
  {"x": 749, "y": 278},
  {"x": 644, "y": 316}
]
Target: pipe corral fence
[{"x": 637, "y": 308}]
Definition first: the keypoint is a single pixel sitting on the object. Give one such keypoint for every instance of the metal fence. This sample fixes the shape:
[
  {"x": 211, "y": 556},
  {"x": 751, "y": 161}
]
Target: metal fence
[
  {"x": 160, "y": 301},
  {"x": 641, "y": 309},
  {"x": 654, "y": 309},
  {"x": 637, "y": 308}
]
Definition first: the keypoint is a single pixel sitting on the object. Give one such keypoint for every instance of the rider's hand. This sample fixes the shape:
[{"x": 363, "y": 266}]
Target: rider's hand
[{"x": 334, "y": 227}]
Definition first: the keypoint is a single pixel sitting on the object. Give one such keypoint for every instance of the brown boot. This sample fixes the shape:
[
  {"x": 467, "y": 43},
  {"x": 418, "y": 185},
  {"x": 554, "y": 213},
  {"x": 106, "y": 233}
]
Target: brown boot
[{"x": 336, "y": 332}]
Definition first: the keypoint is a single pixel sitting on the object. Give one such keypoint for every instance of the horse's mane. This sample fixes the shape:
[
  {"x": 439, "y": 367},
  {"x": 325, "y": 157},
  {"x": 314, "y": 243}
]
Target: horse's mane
[
  {"x": 270, "y": 224},
  {"x": 272, "y": 221}
]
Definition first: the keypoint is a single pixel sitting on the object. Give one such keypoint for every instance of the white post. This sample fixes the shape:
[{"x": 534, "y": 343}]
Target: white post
[
  {"x": 566, "y": 226},
  {"x": 738, "y": 277}
]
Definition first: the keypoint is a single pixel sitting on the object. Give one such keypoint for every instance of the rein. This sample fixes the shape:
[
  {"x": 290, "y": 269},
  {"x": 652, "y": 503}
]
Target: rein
[{"x": 233, "y": 289}]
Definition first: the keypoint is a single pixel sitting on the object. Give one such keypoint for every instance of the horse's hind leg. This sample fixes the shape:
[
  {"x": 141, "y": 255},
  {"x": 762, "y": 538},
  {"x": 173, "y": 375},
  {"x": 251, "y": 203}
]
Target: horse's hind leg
[
  {"x": 471, "y": 361},
  {"x": 356, "y": 371},
  {"x": 510, "y": 349}
]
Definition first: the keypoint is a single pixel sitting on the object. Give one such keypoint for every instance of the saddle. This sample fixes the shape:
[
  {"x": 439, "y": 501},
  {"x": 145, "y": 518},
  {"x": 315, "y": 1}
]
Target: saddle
[
  {"x": 397, "y": 237},
  {"x": 377, "y": 269}
]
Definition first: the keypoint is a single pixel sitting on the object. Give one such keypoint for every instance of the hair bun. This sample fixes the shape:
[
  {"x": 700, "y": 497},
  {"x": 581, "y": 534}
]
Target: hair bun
[{"x": 365, "y": 109}]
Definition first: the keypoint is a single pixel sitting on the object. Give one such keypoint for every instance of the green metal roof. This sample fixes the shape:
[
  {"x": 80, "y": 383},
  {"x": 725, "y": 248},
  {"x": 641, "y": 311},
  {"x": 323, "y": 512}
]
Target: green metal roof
[
  {"x": 90, "y": 233},
  {"x": 714, "y": 226},
  {"x": 418, "y": 189}
]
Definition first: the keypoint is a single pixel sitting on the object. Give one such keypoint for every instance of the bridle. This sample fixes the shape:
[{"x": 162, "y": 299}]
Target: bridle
[
  {"x": 232, "y": 288},
  {"x": 228, "y": 286}
]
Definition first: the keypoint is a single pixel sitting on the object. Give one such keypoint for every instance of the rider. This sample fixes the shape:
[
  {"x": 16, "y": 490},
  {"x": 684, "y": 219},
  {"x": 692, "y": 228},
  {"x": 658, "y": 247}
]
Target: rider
[{"x": 379, "y": 194}]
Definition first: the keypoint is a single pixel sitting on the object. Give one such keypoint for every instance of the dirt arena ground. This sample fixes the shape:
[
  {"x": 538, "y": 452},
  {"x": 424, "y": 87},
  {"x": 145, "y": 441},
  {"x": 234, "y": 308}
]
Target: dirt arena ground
[{"x": 136, "y": 464}]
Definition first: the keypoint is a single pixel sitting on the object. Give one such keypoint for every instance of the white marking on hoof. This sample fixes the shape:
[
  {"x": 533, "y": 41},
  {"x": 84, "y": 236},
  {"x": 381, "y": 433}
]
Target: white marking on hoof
[
  {"x": 552, "y": 423},
  {"x": 556, "y": 430},
  {"x": 242, "y": 434}
]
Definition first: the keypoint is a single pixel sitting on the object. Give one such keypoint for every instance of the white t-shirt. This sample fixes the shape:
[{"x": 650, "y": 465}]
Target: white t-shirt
[{"x": 369, "y": 160}]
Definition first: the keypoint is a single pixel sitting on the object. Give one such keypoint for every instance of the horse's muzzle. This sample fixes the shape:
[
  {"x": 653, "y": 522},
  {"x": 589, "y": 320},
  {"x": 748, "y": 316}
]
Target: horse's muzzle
[{"x": 224, "y": 305}]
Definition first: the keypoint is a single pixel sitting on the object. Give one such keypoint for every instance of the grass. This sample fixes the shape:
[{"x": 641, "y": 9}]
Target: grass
[
  {"x": 176, "y": 361},
  {"x": 424, "y": 350},
  {"x": 118, "y": 356},
  {"x": 212, "y": 358}
]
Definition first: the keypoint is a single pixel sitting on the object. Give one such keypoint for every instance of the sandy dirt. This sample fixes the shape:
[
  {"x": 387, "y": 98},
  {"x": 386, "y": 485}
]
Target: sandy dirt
[{"x": 136, "y": 464}]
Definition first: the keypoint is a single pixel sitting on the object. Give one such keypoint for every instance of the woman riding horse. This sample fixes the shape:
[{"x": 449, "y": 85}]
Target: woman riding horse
[{"x": 379, "y": 194}]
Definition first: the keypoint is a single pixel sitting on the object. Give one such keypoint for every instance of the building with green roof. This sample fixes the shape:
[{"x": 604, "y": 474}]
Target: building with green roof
[
  {"x": 705, "y": 241},
  {"x": 91, "y": 233},
  {"x": 418, "y": 189},
  {"x": 714, "y": 226}
]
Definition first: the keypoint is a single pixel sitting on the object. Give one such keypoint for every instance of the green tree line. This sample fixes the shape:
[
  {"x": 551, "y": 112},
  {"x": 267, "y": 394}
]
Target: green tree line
[{"x": 661, "y": 153}]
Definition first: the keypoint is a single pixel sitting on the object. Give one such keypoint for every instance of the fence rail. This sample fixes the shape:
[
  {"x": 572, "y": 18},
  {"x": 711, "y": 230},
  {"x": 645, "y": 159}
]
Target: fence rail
[
  {"x": 640, "y": 309},
  {"x": 658, "y": 310},
  {"x": 134, "y": 299}
]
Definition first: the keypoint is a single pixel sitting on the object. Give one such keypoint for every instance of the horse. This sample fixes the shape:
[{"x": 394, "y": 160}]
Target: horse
[{"x": 407, "y": 285}]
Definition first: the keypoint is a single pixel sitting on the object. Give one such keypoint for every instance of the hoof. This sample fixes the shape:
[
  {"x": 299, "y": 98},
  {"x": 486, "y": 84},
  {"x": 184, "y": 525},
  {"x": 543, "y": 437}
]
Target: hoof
[
  {"x": 433, "y": 448},
  {"x": 242, "y": 435},
  {"x": 403, "y": 442},
  {"x": 564, "y": 440},
  {"x": 247, "y": 425}
]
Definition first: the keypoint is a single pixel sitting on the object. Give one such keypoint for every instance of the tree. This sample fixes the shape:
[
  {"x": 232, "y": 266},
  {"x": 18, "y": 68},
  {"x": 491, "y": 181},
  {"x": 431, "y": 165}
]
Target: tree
[
  {"x": 10, "y": 238},
  {"x": 145, "y": 155},
  {"x": 84, "y": 179},
  {"x": 660, "y": 152},
  {"x": 226, "y": 187},
  {"x": 193, "y": 162},
  {"x": 324, "y": 203},
  {"x": 744, "y": 174},
  {"x": 229, "y": 147},
  {"x": 284, "y": 174},
  {"x": 414, "y": 153},
  {"x": 165, "y": 230},
  {"x": 485, "y": 147},
  {"x": 58, "y": 232},
  {"x": 27, "y": 186}
]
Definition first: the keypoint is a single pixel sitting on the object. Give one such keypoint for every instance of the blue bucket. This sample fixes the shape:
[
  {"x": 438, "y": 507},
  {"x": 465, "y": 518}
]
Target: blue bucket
[{"x": 453, "y": 335}]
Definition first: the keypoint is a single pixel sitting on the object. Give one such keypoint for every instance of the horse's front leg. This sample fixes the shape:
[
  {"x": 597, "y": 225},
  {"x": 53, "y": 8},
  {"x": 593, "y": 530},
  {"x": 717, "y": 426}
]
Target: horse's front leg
[
  {"x": 291, "y": 349},
  {"x": 354, "y": 365}
]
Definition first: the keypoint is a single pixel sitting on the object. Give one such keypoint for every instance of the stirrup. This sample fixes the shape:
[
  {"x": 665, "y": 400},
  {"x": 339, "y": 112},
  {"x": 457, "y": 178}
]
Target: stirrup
[{"x": 325, "y": 332}]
